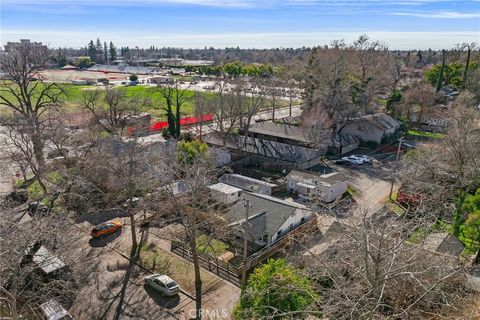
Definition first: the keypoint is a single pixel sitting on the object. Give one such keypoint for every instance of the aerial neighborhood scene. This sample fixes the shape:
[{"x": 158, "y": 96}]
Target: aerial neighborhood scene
[{"x": 221, "y": 159}]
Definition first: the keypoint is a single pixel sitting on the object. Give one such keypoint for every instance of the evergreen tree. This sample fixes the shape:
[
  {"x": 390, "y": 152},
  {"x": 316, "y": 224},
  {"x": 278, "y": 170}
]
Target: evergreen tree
[
  {"x": 113, "y": 51},
  {"x": 91, "y": 51},
  {"x": 105, "y": 51}
]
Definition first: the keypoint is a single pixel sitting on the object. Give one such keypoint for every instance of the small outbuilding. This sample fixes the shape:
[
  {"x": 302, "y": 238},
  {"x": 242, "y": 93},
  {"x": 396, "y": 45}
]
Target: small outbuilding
[
  {"x": 225, "y": 193},
  {"x": 248, "y": 184}
]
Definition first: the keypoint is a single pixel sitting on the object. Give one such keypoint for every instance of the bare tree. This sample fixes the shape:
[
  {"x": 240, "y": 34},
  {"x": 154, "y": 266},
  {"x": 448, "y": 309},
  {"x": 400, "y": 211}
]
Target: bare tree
[
  {"x": 29, "y": 97},
  {"x": 226, "y": 109},
  {"x": 249, "y": 97},
  {"x": 372, "y": 271},
  {"x": 112, "y": 108},
  {"x": 420, "y": 97},
  {"x": 194, "y": 207}
]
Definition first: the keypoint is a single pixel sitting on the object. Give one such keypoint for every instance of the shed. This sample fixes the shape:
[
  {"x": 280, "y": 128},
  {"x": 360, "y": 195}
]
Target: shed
[
  {"x": 47, "y": 262},
  {"x": 249, "y": 184},
  {"x": 52, "y": 310},
  {"x": 225, "y": 193}
]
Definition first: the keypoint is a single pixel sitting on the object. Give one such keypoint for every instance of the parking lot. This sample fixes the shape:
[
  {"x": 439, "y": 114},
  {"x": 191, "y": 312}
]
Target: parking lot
[{"x": 107, "y": 279}]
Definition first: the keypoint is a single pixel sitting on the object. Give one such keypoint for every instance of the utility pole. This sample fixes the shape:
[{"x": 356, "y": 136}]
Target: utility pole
[
  {"x": 247, "y": 205},
  {"x": 396, "y": 166}
]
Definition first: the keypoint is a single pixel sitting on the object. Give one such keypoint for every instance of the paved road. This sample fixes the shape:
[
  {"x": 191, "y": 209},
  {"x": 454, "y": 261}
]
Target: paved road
[{"x": 372, "y": 183}]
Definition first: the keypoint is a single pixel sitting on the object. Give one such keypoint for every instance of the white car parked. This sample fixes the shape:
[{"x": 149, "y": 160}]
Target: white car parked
[
  {"x": 353, "y": 160},
  {"x": 365, "y": 158},
  {"x": 165, "y": 285}
]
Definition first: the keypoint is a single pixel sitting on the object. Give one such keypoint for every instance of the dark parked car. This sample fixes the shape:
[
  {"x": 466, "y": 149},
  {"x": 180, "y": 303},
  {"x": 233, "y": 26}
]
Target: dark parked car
[{"x": 38, "y": 208}]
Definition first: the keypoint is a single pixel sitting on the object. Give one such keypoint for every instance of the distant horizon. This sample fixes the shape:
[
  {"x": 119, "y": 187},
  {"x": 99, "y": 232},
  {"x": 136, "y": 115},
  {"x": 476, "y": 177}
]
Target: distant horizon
[
  {"x": 453, "y": 39},
  {"x": 268, "y": 24}
]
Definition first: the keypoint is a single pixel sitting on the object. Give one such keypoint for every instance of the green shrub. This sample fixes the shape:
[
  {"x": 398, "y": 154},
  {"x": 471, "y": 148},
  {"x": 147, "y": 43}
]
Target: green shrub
[
  {"x": 275, "y": 287},
  {"x": 55, "y": 177},
  {"x": 35, "y": 191}
]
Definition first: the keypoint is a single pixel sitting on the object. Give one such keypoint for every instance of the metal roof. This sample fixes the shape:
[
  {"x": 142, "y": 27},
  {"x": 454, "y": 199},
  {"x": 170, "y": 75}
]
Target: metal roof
[
  {"x": 224, "y": 188},
  {"x": 47, "y": 261},
  {"x": 267, "y": 213}
]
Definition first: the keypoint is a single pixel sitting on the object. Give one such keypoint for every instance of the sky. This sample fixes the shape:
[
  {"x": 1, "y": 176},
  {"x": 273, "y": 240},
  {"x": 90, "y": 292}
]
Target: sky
[{"x": 402, "y": 24}]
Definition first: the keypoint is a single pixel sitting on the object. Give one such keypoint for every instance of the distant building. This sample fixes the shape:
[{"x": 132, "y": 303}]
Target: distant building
[
  {"x": 311, "y": 185},
  {"x": 248, "y": 184},
  {"x": 122, "y": 69},
  {"x": 375, "y": 127},
  {"x": 68, "y": 67},
  {"x": 225, "y": 193},
  {"x": 10, "y": 46},
  {"x": 161, "y": 80},
  {"x": 269, "y": 218}
]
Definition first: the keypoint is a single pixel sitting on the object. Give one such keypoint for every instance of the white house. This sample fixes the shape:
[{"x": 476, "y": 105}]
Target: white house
[
  {"x": 311, "y": 185},
  {"x": 269, "y": 218},
  {"x": 225, "y": 193}
]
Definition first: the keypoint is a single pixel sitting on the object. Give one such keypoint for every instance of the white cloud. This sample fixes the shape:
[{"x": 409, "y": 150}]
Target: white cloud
[
  {"x": 395, "y": 40},
  {"x": 239, "y": 3},
  {"x": 440, "y": 14}
]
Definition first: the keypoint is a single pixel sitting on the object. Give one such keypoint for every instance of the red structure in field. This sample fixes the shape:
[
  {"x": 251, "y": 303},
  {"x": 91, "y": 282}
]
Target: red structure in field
[{"x": 185, "y": 121}]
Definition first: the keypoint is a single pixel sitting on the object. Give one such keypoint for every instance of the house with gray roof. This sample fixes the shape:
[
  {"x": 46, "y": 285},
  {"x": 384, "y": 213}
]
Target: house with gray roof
[
  {"x": 310, "y": 185},
  {"x": 374, "y": 127},
  {"x": 269, "y": 218},
  {"x": 292, "y": 134}
]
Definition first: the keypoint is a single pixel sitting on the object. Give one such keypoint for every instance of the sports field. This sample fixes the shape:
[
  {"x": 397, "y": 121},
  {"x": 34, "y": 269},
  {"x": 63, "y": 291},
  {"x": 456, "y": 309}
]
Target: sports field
[{"x": 67, "y": 76}]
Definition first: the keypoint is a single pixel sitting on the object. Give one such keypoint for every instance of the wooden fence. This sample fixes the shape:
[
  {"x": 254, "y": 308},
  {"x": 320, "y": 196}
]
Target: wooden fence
[{"x": 233, "y": 273}]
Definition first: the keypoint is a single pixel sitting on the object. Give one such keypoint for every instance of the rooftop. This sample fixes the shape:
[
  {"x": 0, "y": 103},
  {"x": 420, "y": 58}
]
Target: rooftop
[
  {"x": 224, "y": 188},
  {"x": 47, "y": 261},
  {"x": 380, "y": 120},
  {"x": 314, "y": 178},
  {"x": 228, "y": 177},
  {"x": 267, "y": 213},
  {"x": 285, "y": 131}
]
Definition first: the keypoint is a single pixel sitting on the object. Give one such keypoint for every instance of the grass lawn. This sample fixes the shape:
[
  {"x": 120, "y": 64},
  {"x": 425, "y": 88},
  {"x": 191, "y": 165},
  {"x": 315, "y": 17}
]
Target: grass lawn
[
  {"x": 395, "y": 207},
  {"x": 73, "y": 99},
  {"x": 424, "y": 134},
  {"x": 211, "y": 246},
  {"x": 180, "y": 270},
  {"x": 421, "y": 233}
]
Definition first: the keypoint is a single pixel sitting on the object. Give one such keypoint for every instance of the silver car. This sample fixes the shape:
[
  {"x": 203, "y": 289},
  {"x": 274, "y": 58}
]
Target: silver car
[{"x": 165, "y": 285}]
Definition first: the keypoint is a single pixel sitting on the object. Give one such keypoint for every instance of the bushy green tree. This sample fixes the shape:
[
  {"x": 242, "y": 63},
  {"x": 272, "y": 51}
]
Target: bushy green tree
[
  {"x": 188, "y": 151},
  {"x": 84, "y": 62},
  {"x": 453, "y": 74},
  {"x": 133, "y": 77},
  {"x": 276, "y": 290}
]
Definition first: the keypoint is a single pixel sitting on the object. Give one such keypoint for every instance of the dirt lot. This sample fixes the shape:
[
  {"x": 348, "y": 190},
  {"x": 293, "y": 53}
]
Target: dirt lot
[
  {"x": 105, "y": 278},
  {"x": 70, "y": 75}
]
